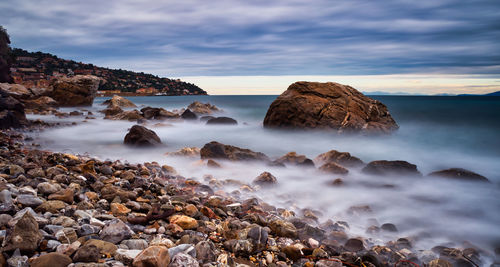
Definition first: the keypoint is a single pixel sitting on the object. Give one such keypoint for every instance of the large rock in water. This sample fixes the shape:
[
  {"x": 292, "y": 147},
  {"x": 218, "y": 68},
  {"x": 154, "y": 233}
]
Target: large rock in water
[
  {"x": 216, "y": 150},
  {"x": 79, "y": 90},
  {"x": 391, "y": 167},
  {"x": 141, "y": 136},
  {"x": 459, "y": 174},
  {"x": 329, "y": 105},
  {"x": 118, "y": 101}
]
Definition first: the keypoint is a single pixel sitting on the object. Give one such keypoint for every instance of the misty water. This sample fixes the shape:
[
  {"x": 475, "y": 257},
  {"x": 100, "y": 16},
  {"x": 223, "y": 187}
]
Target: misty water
[{"x": 435, "y": 133}]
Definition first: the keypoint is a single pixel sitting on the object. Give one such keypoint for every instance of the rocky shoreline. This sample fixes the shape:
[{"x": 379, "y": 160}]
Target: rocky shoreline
[{"x": 61, "y": 209}]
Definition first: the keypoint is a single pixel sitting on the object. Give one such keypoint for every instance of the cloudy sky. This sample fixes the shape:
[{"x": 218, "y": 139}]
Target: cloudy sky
[{"x": 259, "y": 47}]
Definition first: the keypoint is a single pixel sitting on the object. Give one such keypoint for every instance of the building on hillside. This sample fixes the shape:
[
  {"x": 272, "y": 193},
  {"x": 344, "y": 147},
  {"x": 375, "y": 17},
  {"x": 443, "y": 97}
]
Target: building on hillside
[{"x": 149, "y": 90}]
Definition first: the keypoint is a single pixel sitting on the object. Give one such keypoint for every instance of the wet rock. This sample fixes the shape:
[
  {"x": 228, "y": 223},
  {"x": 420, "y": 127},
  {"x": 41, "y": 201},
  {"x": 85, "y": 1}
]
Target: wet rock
[
  {"x": 52, "y": 259},
  {"x": 386, "y": 167},
  {"x": 141, "y": 136},
  {"x": 88, "y": 253},
  {"x": 79, "y": 90},
  {"x": 202, "y": 108},
  {"x": 239, "y": 247},
  {"x": 104, "y": 247},
  {"x": 29, "y": 200},
  {"x": 222, "y": 120},
  {"x": 126, "y": 255},
  {"x": 185, "y": 222},
  {"x": 283, "y": 228},
  {"x": 12, "y": 113},
  {"x": 25, "y": 235},
  {"x": 440, "y": 263},
  {"x": 459, "y": 174},
  {"x": 354, "y": 245},
  {"x": 118, "y": 101},
  {"x": 115, "y": 231},
  {"x": 185, "y": 152},
  {"x": 111, "y": 111},
  {"x": 52, "y": 206},
  {"x": 65, "y": 195},
  {"x": 189, "y": 115},
  {"x": 182, "y": 260},
  {"x": 292, "y": 158},
  {"x": 328, "y": 106},
  {"x": 41, "y": 103},
  {"x": 389, "y": 227},
  {"x": 342, "y": 158},
  {"x": 334, "y": 168},
  {"x": 293, "y": 252},
  {"x": 258, "y": 237},
  {"x": 130, "y": 115},
  {"x": 213, "y": 164},
  {"x": 154, "y": 256},
  {"x": 205, "y": 251},
  {"x": 216, "y": 150},
  {"x": 265, "y": 179}
]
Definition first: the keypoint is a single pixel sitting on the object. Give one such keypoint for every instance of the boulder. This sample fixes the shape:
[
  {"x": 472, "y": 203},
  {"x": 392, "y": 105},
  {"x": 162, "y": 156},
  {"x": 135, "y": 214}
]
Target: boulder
[
  {"x": 222, "y": 120},
  {"x": 202, "y": 108},
  {"x": 130, "y": 115},
  {"x": 332, "y": 167},
  {"x": 394, "y": 167},
  {"x": 118, "y": 101},
  {"x": 17, "y": 91},
  {"x": 41, "y": 103},
  {"x": 141, "y": 136},
  {"x": 53, "y": 259},
  {"x": 459, "y": 174},
  {"x": 79, "y": 90},
  {"x": 333, "y": 106},
  {"x": 189, "y": 115},
  {"x": 342, "y": 158},
  {"x": 154, "y": 256},
  {"x": 216, "y": 150},
  {"x": 11, "y": 112},
  {"x": 25, "y": 235},
  {"x": 112, "y": 111},
  {"x": 158, "y": 114},
  {"x": 265, "y": 178},
  {"x": 292, "y": 158}
]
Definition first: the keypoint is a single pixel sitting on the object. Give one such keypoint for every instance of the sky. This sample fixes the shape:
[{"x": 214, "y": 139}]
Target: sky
[{"x": 260, "y": 47}]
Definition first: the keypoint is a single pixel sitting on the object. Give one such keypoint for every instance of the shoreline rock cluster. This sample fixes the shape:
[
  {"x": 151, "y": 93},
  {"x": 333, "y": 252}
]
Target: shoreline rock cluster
[{"x": 65, "y": 210}]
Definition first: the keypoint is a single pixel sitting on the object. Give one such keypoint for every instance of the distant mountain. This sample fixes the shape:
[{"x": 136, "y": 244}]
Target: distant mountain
[
  {"x": 497, "y": 93},
  {"x": 37, "y": 69}
]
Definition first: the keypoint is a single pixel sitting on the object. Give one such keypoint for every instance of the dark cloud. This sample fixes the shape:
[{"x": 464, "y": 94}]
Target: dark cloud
[{"x": 283, "y": 37}]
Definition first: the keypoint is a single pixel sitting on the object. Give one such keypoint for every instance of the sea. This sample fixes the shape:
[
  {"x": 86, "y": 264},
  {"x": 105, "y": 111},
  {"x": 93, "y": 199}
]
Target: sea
[{"x": 436, "y": 133}]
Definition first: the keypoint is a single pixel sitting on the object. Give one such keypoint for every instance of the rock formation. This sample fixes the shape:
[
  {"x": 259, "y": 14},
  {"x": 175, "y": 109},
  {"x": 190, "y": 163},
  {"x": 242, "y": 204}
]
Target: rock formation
[
  {"x": 79, "y": 90},
  {"x": 216, "y": 150},
  {"x": 11, "y": 112},
  {"x": 118, "y": 101},
  {"x": 141, "y": 136},
  {"x": 5, "y": 57},
  {"x": 459, "y": 174},
  {"x": 333, "y": 106}
]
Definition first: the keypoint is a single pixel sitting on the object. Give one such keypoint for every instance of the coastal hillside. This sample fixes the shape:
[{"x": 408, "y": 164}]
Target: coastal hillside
[
  {"x": 5, "y": 56},
  {"x": 38, "y": 69}
]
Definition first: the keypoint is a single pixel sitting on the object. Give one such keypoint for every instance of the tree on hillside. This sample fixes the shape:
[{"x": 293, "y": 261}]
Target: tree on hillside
[{"x": 6, "y": 58}]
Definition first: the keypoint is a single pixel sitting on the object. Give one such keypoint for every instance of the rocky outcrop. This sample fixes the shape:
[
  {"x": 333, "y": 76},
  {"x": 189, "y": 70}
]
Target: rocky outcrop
[
  {"x": 79, "y": 90},
  {"x": 333, "y": 106},
  {"x": 189, "y": 115},
  {"x": 118, "y": 101},
  {"x": 394, "y": 167},
  {"x": 222, "y": 120},
  {"x": 342, "y": 158},
  {"x": 5, "y": 57},
  {"x": 459, "y": 174},
  {"x": 11, "y": 112},
  {"x": 158, "y": 114},
  {"x": 129, "y": 115},
  {"x": 216, "y": 150},
  {"x": 141, "y": 137},
  {"x": 265, "y": 179},
  {"x": 292, "y": 158},
  {"x": 202, "y": 108}
]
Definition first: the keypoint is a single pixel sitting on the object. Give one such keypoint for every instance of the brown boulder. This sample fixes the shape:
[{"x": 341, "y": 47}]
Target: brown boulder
[
  {"x": 17, "y": 91},
  {"x": 202, "y": 108},
  {"x": 154, "y": 256},
  {"x": 292, "y": 158},
  {"x": 388, "y": 167},
  {"x": 41, "y": 103},
  {"x": 216, "y": 150},
  {"x": 53, "y": 259},
  {"x": 79, "y": 90},
  {"x": 265, "y": 178},
  {"x": 11, "y": 112},
  {"x": 158, "y": 114},
  {"x": 334, "y": 168},
  {"x": 118, "y": 101},
  {"x": 328, "y": 106},
  {"x": 112, "y": 111},
  {"x": 342, "y": 158},
  {"x": 130, "y": 115},
  {"x": 222, "y": 120},
  {"x": 459, "y": 174},
  {"x": 64, "y": 195},
  {"x": 141, "y": 136},
  {"x": 25, "y": 235}
]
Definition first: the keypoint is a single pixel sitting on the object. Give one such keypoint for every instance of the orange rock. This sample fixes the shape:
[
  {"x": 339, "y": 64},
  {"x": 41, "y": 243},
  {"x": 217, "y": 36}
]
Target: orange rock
[
  {"x": 119, "y": 209},
  {"x": 190, "y": 210},
  {"x": 154, "y": 256},
  {"x": 65, "y": 195},
  {"x": 88, "y": 167},
  {"x": 185, "y": 222},
  {"x": 92, "y": 196}
]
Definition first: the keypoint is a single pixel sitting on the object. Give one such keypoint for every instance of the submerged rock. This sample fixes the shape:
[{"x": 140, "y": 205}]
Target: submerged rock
[
  {"x": 202, "y": 108},
  {"x": 342, "y": 158},
  {"x": 141, "y": 136},
  {"x": 79, "y": 90},
  {"x": 118, "y": 101},
  {"x": 332, "y": 167},
  {"x": 265, "y": 179},
  {"x": 395, "y": 167},
  {"x": 331, "y": 106},
  {"x": 292, "y": 158},
  {"x": 216, "y": 150},
  {"x": 459, "y": 174},
  {"x": 222, "y": 120},
  {"x": 189, "y": 115}
]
